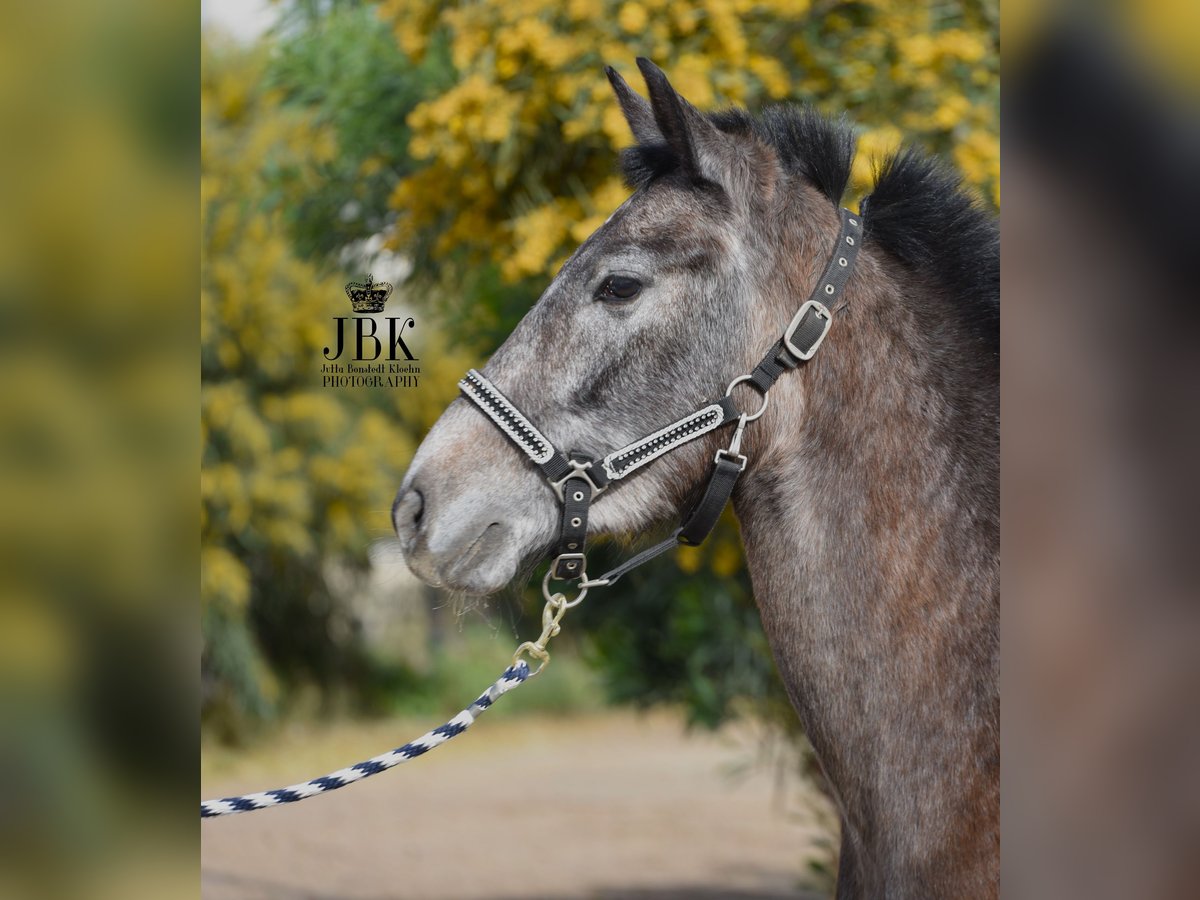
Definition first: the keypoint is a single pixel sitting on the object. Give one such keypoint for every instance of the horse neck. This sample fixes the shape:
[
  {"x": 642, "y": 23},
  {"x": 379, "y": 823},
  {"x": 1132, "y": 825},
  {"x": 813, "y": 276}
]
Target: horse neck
[{"x": 870, "y": 519}]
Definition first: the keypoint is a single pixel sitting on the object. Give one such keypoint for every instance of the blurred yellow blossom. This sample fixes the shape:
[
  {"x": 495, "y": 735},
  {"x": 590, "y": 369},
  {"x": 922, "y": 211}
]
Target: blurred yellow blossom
[
  {"x": 727, "y": 556},
  {"x": 292, "y": 474},
  {"x": 689, "y": 560},
  {"x": 873, "y": 147},
  {"x": 531, "y": 109},
  {"x": 633, "y": 17},
  {"x": 538, "y": 233}
]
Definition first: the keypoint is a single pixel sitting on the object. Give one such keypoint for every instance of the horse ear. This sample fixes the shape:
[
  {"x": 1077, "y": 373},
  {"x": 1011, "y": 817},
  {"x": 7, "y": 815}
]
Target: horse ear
[
  {"x": 637, "y": 111},
  {"x": 687, "y": 131}
]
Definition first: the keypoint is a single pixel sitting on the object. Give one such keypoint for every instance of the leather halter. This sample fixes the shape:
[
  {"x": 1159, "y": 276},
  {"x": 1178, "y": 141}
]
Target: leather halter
[{"x": 577, "y": 480}]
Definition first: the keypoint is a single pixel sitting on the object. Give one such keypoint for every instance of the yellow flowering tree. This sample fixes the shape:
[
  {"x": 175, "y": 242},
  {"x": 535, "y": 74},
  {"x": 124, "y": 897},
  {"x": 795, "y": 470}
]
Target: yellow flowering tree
[{"x": 518, "y": 152}]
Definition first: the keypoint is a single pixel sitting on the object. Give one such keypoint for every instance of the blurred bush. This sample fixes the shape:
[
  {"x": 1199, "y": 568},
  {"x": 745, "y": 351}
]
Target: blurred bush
[
  {"x": 294, "y": 478},
  {"x": 97, "y": 418},
  {"x": 343, "y": 67},
  {"x": 688, "y": 635}
]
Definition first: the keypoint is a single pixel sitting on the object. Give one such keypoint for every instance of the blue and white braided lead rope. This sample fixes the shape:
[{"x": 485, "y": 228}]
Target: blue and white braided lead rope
[{"x": 513, "y": 677}]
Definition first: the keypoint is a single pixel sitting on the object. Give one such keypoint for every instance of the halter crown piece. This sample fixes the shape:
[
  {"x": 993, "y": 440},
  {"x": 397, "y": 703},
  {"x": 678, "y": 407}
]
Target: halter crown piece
[{"x": 577, "y": 479}]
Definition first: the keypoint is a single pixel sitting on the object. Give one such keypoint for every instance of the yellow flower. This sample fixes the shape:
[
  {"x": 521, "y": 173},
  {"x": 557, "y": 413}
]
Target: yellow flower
[
  {"x": 959, "y": 44},
  {"x": 952, "y": 111},
  {"x": 585, "y": 10},
  {"x": 527, "y": 99},
  {"x": 688, "y": 559},
  {"x": 726, "y": 559},
  {"x": 537, "y": 235},
  {"x": 685, "y": 18},
  {"x": 420, "y": 147},
  {"x": 223, "y": 578},
  {"x": 690, "y": 76},
  {"x": 917, "y": 50},
  {"x": 632, "y": 18},
  {"x": 507, "y": 66},
  {"x": 873, "y": 147},
  {"x": 772, "y": 74},
  {"x": 615, "y": 127}
]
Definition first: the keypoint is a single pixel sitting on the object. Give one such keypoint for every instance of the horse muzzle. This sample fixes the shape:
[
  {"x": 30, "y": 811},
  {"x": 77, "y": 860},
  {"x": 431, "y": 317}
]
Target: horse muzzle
[
  {"x": 467, "y": 520},
  {"x": 474, "y": 556}
]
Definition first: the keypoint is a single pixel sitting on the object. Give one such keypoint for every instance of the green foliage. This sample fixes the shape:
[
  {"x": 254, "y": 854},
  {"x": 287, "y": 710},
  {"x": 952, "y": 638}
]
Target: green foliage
[
  {"x": 691, "y": 638},
  {"x": 343, "y": 68},
  {"x": 469, "y": 661}
]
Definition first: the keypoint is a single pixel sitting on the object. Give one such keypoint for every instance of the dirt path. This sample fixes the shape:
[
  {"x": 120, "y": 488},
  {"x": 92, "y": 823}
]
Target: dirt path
[{"x": 609, "y": 806}]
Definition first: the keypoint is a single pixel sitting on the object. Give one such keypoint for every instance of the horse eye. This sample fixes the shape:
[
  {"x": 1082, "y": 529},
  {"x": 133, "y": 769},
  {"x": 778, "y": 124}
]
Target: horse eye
[{"x": 619, "y": 287}]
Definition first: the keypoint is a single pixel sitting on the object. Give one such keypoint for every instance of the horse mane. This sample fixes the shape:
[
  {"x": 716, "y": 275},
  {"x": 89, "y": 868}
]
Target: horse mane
[
  {"x": 921, "y": 214},
  {"x": 918, "y": 211}
]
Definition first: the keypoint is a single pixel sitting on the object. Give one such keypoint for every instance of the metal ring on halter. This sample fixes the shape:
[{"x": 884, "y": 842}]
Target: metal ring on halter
[
  {"x": 762, "y": 409},
  {"x": 566, "y": 604}
]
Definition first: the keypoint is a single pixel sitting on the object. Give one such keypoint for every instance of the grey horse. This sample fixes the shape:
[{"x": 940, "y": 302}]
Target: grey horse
[{"x": 869, "y": 510}]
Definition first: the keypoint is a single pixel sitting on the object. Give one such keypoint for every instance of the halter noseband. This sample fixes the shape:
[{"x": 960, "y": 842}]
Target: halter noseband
[{"x": 576, "y": 479}]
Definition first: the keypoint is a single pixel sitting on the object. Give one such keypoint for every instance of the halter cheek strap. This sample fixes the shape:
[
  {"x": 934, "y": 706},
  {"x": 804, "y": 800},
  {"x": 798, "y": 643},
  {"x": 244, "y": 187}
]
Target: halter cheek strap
[
  {"x": 812, "y": 321},
  {"x": 576, "y": 479}
]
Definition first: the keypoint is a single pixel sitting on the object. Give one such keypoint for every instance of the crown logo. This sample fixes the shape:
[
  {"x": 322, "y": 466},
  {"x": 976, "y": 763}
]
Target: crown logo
[{"x": 368, "y": 297}]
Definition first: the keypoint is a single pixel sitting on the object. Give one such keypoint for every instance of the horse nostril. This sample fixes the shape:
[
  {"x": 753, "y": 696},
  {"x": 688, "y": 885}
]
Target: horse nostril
[{"x": 407, "y": 511}]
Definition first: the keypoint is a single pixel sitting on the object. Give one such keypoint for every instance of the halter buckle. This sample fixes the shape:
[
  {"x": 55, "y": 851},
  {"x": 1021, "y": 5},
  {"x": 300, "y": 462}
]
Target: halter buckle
[
  {"x": 578, "y": 470},
  {"x": 570, "y": 562},
  {"x": 823, "y": 315},
  {"x": 733, "y": 453},
  {"x": 739, "y": 458}
]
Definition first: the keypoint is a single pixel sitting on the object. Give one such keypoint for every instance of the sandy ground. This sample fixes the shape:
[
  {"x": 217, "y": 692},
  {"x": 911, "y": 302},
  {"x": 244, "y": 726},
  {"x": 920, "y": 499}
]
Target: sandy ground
[{"x": 612, "y": 805}]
